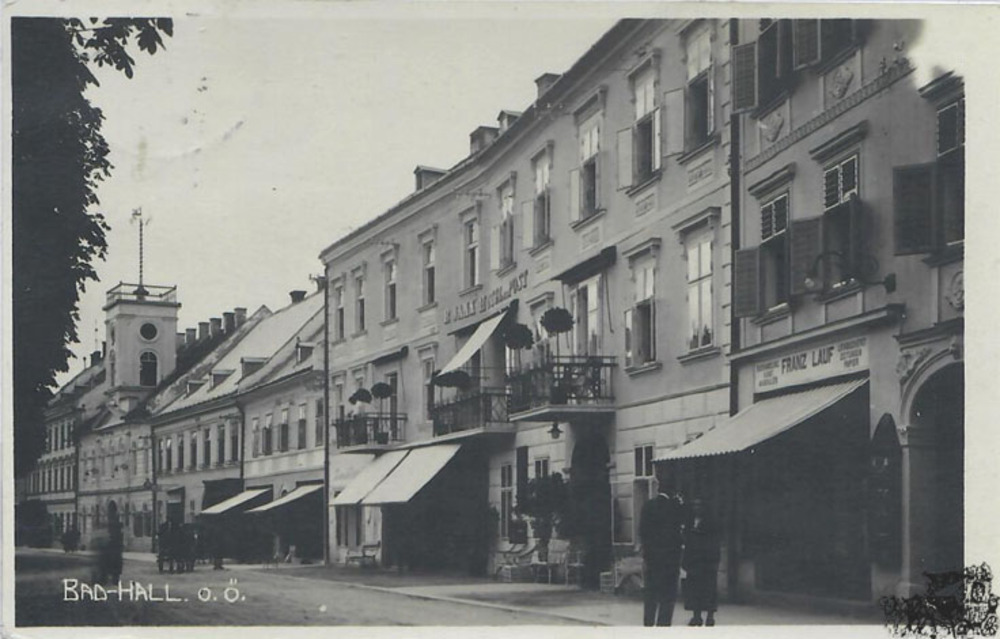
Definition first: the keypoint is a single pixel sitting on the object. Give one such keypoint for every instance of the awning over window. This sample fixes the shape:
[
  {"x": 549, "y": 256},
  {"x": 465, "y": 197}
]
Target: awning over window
[
  {"x": 234, "y": 502},
  {"x": 368, "y": 478},
  {"x": 419, "y": 467},
  {"x": 764, "y": 420},
  {"x": 474, "y": 343},
  {"x": 298, "y": 493}
]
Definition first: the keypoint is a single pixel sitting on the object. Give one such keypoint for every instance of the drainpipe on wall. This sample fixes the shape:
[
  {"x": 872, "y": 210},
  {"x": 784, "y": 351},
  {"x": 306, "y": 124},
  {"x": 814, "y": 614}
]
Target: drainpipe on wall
[{"x": 322, "y": 280}]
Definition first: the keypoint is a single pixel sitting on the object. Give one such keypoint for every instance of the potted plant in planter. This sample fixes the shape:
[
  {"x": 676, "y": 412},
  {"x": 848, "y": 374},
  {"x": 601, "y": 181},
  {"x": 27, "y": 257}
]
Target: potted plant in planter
[
  {"x": 557, "y": 321},
  {"x": 381, "y": 391},
  {"x": 544, "y": 503},
  {"x": 453, "y": 379},
  {"x": 518, "y": 337}
]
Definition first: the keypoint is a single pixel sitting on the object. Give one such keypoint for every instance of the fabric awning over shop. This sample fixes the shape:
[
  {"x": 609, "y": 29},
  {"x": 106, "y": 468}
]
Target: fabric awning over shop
[
  {"x": 233, "y": 502},
  {"x": 764, "y": 420},
  {"x": 419, "y": 467},
  {"x": 299, "y": 492},
  {"x": 368, "y": 478},
  {"x": 474, "y": 343}
]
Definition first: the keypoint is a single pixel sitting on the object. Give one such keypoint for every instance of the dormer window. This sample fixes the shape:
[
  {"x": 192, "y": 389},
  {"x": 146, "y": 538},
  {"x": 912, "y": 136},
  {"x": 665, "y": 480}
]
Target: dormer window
[
  {"x": 303, "y": 351},
  {"x": 194, "y": 384},
  {"x": 219, "y": 376}
]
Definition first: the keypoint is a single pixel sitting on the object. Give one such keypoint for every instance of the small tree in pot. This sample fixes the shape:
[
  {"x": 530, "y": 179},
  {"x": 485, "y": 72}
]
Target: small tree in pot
[
  {"x": 518, "y": 337},
  {"x": 544, "y": 502},
  {"x": 557, "y": 321},
  {"x": 381, "y": 391}
]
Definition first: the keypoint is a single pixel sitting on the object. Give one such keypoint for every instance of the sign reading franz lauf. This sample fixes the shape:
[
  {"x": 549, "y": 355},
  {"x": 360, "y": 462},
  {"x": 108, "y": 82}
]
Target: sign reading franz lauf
[
  {"x": 812, "y": 364},
  {"x": 489, "y": 300}
]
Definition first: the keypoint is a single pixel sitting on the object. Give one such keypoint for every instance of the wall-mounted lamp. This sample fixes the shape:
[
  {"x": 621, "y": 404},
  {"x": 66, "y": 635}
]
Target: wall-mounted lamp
[
  {"x": 555, "y": 431},
  {"x": 861, "y": 272}
]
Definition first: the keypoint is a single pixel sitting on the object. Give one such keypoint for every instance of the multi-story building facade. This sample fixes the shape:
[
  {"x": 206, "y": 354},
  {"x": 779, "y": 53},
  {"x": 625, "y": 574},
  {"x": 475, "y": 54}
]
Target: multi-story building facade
[
  {"x": 843, "y": 466},
  {"x": 608, "y": 197}
]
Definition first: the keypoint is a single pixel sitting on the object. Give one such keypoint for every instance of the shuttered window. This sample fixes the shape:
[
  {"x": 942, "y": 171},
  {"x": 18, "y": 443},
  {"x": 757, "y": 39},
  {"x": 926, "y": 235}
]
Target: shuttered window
[
  {"x": 744, "y": 77},
  {"x": 806, "y": 246},
  {"x": 840, "y": 182},
  {"x": 805, "y": 42},
  {"x": 747, "y": 281},
  {"x": 913, "y": 191},
  {"x": 773, "y": 217}
]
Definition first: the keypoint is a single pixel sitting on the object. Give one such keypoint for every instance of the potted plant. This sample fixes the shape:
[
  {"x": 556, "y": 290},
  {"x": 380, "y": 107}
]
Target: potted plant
[
  {"x": 381, "y": 391},
  {"x": 453, "y": 379},
  {"x": 518, "y": 337},
  {"x": 544, "y": 502},
  {"x": 361, "y": 395}
]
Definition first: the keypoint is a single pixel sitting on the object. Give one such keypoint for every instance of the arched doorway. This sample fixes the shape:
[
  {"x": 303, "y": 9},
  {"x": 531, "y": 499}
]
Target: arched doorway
[
  {"x": 938, "y": 409},
  {"x": 112, "y": 514},
  {"x": 590, "y": 491}
]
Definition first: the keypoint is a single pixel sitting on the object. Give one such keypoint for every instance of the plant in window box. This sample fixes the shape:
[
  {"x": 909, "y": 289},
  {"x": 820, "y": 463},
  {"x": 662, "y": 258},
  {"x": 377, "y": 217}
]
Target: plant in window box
[
  {"x": 361, "y": 395},
  {"x": 453, "y": 379}
]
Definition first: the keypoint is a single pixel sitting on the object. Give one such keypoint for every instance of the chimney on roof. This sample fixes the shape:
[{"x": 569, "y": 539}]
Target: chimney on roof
[
  {"x": 95, "y": 358},
  {"x": 297, "y": 296},
  {"x": 241, "y": 315},
  {"x": 427, "y": 175},
  {"x": 179, "y": 342},
  {"x": 202, "y": 331},
  {"x": 215, "y": 326},
  {"x": 507, "y": 118},
  {"x": 229, "y": 320},
  {"x": 481, "y": 138},
  {"x": 545, "y": 81},
  {"x": 190, "y": 336}
]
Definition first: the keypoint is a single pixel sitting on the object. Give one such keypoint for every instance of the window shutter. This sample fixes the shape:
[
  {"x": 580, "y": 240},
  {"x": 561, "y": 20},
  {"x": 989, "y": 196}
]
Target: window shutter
[
  {"x": 805, "y": 43},
  {"x": 747, "y": 276},
  {"x": 574, "y": 195},
  {"x": 528, "y": 224},
  {"x": 805, "y": 245},
  {"x": 831, "y": 187},
  {"x": 495, "y": 247},
  {"x": 628, "y": 336},
  {"x": 625, "y": 158},
  {"x": 710, "y": 115},
  {"x": 673, "y": 107},
  {"x": 652, "y": 329},
  {"x": 856, "y": 233},
  {"x": 913, "y": 194},
  {"x": 744, "y": 77},
  {"x": 598, "y": 194},
  {"x": 657, "y": 140}
]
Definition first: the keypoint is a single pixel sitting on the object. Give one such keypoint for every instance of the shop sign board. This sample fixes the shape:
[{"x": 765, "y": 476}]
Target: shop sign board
[{"x": 812, "y": 364}]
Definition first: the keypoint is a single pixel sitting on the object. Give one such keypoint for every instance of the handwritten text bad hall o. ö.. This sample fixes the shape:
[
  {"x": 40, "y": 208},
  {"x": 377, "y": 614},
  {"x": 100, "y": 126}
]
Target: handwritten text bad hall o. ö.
[{"x": 76, "y": 590}]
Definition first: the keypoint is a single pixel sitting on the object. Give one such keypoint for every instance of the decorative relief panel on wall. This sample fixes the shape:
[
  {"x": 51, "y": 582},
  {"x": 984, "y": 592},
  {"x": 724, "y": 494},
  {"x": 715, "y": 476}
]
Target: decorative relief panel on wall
[
  {"x": 645, "y": 204},
  {"x": 955, "y": 292},
  {"x": 590, "y": 237},
  {"x": 700, "y": 173},
  {"x": 841, "y": 80},
  {"x": 908, "y": 363}
]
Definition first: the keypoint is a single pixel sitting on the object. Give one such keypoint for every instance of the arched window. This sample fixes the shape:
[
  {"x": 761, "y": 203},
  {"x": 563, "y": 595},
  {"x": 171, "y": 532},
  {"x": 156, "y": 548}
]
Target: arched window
[{"x": 147, "y": 369}]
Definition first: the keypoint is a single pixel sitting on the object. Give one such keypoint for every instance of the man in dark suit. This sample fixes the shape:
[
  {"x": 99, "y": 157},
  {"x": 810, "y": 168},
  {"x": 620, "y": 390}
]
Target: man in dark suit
[{"x": 661, "y": 536}]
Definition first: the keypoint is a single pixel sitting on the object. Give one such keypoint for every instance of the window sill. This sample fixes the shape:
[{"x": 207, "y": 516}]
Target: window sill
[
  {"x": 338, "y": 341},
  {"x": 535, "y": 250},
  {"x": 390, "y": 321},
  {"x": 646, "y": 367},
  {"x": 773, "y": 314},
  {"x": 506, "y": 268},
  {"x": 824, "y": 66},
  {"x": 359, "y": 334},
  {"x": 771, "y": 105},
  {"x": 587, "y": 221},
  {"x": 470, "y": 289},
  {"x": 687, "y": 156},
  {"x": 700, "y": 353},
  {"x": 840, "y": 290},
  {"x": 426, "y": 307},
  {"x": 951, "y": 253},
  {"x": 632, "y": 191}
]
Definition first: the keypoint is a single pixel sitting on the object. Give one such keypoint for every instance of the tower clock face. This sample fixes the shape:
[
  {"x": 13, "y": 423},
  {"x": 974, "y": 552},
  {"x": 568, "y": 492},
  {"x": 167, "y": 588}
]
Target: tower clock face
[{"x": 148, "y": 331}]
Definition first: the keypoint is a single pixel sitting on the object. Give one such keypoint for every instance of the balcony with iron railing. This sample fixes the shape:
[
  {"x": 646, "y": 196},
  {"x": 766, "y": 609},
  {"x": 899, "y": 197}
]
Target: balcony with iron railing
[
  {"x": 472, "y": 412},
  {"x": 125, "y": 292},
  {"x": 370, "y": 432},
  {"x": 562, "y": 388}
]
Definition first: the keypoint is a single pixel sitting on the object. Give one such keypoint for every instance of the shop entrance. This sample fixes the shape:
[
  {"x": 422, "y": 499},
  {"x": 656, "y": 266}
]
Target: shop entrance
[
  {"x": 939, "y": 410},
  {"x": 590, "y": 495}
]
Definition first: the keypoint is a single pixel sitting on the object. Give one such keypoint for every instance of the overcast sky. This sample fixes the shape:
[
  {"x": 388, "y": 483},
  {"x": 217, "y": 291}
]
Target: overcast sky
[{"x": 253, "y": 143}]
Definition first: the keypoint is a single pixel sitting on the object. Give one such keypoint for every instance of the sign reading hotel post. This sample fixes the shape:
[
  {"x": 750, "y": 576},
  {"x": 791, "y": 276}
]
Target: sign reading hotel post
[{"x": 809, "y": 365}]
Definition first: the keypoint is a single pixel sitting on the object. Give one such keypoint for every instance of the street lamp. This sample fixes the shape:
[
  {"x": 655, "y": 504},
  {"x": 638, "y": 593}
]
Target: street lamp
[{"x": 858, "y": 269}]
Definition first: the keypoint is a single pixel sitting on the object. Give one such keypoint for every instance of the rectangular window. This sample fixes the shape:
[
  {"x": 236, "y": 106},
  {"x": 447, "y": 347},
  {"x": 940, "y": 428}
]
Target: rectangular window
[
  {"x": 359, "y": 304},
  {"x": 643, "y": 461},
  {"x": 170, "y": 454},
  {"x": 338, "y": 313},
  {"x": 588, "y": 192},
  {"x": 586, "y": 302},
  {"x": 541, "y": 467},
  {"x": 283, "y": 430},
  {"x": 234, "y": 443},
  {"x": 338, "y": 401},
  {"x": 257, "y": 438},
  {"x": 774, "y": 250},
  {"x": 700, "y": 98},
  {"x": 506, "y": 226},
  {"x": 428, "y": 375},
  {"x": 506, "y": 498},
  {"x": 699, "y": 291},
  {"x": 840, "y": 226},
  {"x": 640, "y": 320},
  {"x": 820, "y": 41},
  {"x": 300, "y": 436},
  {"x": 429, "y": 293},
  {"x": 318, "y": 439},
  {"x": 540, "y": 228},
  {"x": 268, "y": 434},
  {"x": 206, "y": 453},
  {"x": 774, "y": 59},
  {"x": 951, "y": 171},
  {"x": 390, "y": 290},
  {"x": 180, "y": 452},
  {"x": 220, "y": 444},
  {"x": 471, "y": 235},
  {"x": 193, "y": 442},
  {"x": 645, "y": 133}
]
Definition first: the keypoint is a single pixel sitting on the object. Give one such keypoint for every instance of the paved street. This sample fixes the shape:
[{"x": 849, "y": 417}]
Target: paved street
[{"x": 316, "y": 595}]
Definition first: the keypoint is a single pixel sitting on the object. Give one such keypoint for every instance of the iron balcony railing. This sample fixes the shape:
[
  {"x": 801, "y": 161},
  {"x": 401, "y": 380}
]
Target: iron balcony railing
[
  {"x": 371, "y": 428},
  {"x": 474, "y": 409},
  {"x": 125, "y": 292},
  {"x": 580, "y": 380}
]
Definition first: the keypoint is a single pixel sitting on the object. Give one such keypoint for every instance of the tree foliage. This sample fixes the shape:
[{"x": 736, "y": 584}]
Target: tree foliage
[
  {"x": 59, "y": 159},
  {"x": 544, "y": 502}
]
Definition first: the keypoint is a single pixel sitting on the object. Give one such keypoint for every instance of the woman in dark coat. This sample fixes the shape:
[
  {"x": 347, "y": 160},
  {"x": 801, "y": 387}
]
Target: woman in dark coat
[{"x": 701, "y": 565}]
